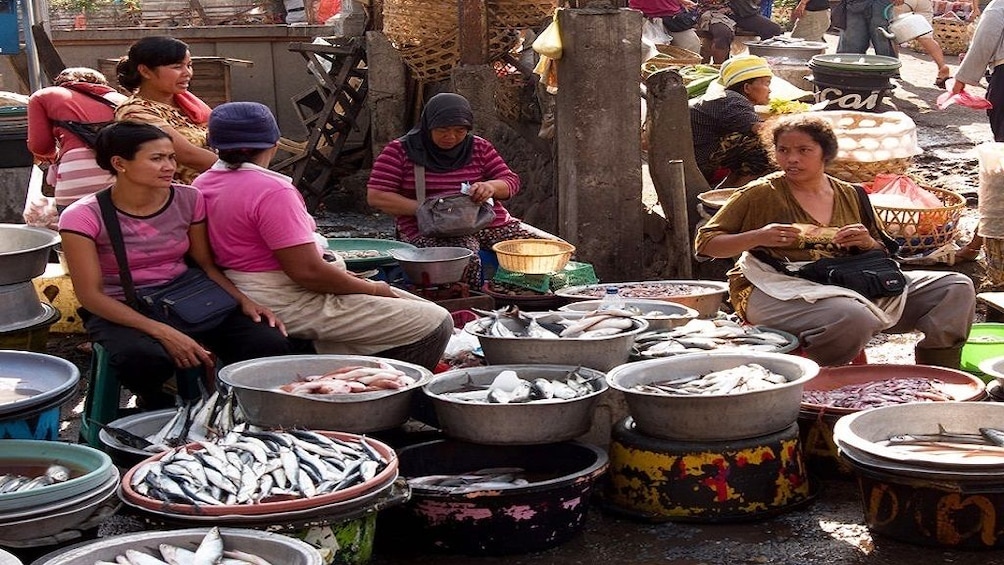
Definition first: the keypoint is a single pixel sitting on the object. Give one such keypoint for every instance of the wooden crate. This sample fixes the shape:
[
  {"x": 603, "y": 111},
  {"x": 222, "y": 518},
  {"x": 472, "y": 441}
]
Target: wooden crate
[{"x": 210, "y": 79}]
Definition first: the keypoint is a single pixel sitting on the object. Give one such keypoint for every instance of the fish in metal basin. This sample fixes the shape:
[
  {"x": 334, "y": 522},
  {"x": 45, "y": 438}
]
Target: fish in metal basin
[
  {"x": 210, "y": 551},
  {"x": 988, "y": 441},
  {"x": 482, "y": 479},
  {"x": 508, "y": 388},
  {"x": 744, "y": 378}
]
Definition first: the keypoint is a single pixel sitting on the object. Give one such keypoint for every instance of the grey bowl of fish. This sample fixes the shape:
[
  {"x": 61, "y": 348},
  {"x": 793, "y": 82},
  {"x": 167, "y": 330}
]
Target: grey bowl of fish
[
  {"x": 702, "y": 295},
  {"x": 714, "y": 396},
  {"x": 256, "y": 384},
  {"x": 559, "y": 397},
  {"x": 659, "y": 314},
  {"x": 942, "y": 436},
  {"x": 601, "y": 351},
  {"x": 51, "y": 519},
  {"x": 268, "y": 547}
]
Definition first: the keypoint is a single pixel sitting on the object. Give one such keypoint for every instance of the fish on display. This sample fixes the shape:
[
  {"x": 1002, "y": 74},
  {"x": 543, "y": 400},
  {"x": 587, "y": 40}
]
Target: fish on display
[
  {"x": 252, "y": 467},
  {"x": 737, "y": 380},
  {"x": 483, "y": 479},
  {"x": 210, "y": 551},
  {"x": 511, "y": 322},
  {"x": 508, "y": 388},
  {"x": 706, "y": 335},
  {"x": 351, "y": 379},
  {"x": 884, "y": 392},
  {"x": 12, "y": 482},
  {"x": 986, "y": 441},
  {"x": 198, "y": 421}
]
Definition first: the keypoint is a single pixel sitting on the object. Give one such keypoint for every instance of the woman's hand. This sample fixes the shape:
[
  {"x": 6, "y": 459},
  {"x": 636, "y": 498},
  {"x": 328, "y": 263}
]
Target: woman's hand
[
  {"x": 185, "y": 351},
  {"x": 257, "y": 312},
  {"x": 481, "y": 192},
  {"x": 854, "y": 235},
  {"x": 778, "y": 235},
  {"x": 381, "y": 288}
]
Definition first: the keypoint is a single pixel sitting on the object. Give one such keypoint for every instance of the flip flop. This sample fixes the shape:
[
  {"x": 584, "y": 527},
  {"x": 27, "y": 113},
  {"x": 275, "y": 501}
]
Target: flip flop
[{"x": 940, "y": 81}]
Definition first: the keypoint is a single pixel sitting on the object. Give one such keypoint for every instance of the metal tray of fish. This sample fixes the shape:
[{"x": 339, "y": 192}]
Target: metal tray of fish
[{"x": 702, "y": 336}]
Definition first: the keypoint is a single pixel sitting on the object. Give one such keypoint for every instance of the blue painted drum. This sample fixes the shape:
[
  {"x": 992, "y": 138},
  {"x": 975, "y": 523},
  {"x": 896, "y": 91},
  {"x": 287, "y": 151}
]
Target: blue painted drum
[{"x": 43, "y": 425}]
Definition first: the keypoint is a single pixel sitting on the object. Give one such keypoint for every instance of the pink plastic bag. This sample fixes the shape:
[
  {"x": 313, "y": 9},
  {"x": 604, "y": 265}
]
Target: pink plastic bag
[{"x": 963, "y": 98}]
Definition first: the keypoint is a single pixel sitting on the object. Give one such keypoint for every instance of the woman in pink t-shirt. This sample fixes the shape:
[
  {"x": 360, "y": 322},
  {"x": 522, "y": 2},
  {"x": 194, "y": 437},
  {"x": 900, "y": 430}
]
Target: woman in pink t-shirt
[{"x": 162, "y": 225}]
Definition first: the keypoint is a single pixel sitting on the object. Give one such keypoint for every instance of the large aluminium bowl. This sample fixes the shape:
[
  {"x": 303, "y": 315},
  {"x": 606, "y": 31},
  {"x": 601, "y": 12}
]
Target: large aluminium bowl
[
  {"x": 704, "y": 296},
  {"x": 256, "y": 381},
  {"x": 713, "y": 417},
  {"x": 659, "y": 314},
  {"x": 24, "y": 251},
  {"x": 431, "y": 266},
  {"x": 144, "y": 424},
  {"x": 29, "y": 380},
  {"x": 600, "y": 353},
  {"x": 274, "y": 548},
  {"x": 506, "y": 424}
]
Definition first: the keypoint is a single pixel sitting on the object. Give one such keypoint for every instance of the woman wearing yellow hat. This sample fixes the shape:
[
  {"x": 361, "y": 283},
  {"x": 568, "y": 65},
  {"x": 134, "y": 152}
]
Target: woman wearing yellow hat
[{"x": 725, "y": 127}]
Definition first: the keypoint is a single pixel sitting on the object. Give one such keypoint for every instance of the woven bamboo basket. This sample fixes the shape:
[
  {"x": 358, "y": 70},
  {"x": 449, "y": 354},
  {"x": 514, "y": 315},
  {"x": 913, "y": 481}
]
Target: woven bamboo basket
[
  {"x": 509, "y": 96},
  {"x": 993, "y": 249},
  {"x": 520, "y": 13},
  {"x": 953, "y": 35},
  {"x": 921, "y": 231},
  {"x": 433, "y": 61},
  {"x": 418, "y": 22},
  {"x": 533, "y": 256},
  {"x": 865, "y": 171},
  {"x": 669, "y": 57}
]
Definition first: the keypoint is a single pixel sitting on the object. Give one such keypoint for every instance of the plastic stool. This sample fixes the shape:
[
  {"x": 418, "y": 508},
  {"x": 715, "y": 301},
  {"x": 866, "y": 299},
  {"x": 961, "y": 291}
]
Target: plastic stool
[{"x": 104, "y": 391}]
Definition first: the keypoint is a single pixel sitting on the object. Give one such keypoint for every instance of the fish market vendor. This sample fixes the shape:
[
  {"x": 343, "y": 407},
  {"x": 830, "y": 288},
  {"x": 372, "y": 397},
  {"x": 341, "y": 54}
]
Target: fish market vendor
[
  {"x": 726, "y": 127},
  {"x": 264, "y": 239},
  {"x": 443, "y": 146},
  {"x": 801, "y": 214}
]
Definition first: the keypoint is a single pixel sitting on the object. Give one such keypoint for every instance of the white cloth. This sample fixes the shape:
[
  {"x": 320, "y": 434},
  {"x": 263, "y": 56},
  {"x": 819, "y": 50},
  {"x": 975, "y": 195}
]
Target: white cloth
[{"x": 785, "y": 287}]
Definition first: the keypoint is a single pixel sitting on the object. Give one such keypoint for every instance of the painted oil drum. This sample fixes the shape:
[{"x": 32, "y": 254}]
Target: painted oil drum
[
  {"x": 729, "y": 481},
  {"x": 960, "y": 512},
  {"x": 542, "y": 514}
]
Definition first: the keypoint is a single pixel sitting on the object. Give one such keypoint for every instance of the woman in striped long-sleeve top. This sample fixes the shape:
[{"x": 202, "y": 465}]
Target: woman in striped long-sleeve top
[{"x": 452, "y": 155}]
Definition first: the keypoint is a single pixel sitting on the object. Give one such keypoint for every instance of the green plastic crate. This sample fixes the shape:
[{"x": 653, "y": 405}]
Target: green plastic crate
[{"x": 573, "y": 274}]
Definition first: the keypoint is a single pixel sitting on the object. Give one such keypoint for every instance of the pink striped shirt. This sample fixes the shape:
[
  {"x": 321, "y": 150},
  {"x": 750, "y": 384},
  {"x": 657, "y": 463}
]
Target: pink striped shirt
[{"x": 393, "y": 171}]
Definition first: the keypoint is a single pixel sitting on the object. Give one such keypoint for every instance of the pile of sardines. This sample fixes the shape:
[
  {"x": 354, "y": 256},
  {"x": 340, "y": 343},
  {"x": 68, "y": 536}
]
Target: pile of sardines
[
  {"x": 706, "y": 335},
  {"x": 988, "y": 441},
  {"x": 254, "y": 467},
  {"x": 12, "y": 482},
  {"x": 884, "y": 392},
  {"x": 511, "y": 322},
  {"x": 210, "y": 550},
  {"x": 508, "y": 388},
  {"x": 737, "y": 380},
  {"x": 483, "y": 479}
]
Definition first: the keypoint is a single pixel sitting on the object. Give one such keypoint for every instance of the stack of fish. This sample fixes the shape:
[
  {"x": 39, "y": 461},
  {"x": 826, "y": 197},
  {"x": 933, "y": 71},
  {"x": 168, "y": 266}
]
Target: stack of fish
[
  {"x": 510, "y": 322},
  {"x": 884, "y": 392},
  {"x": 351, "y": 379},
  {"x": 483, "y": 479},
  {"x": 508, "y": 388},
  {"x": 19, "y": 483},
  {"x": 254, "y": 467},
  {"x": 706, "y": 335},
  {"x": 737, "y": 380},
  {"x": 209, "y": 551}
]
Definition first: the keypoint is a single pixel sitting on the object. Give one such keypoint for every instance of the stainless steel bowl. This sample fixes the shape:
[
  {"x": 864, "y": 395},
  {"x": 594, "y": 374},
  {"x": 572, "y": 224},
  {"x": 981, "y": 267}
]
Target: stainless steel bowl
[
  {"x": 24, "y": 251},
  {"x": 719, "y": 417},
  {"x": 664, "y": 315},
  {"x": 38, "y": 378},
  {"x": 506, "y": 424},
  {"x": 602, "y": 354},
  {"x": 430, "y": 266},
  {"x": 794, "y": 50},
  {"x": 19, "y": 303},
  {"x": 706, "y": 298},
  {"x": 255, "y": 383}
]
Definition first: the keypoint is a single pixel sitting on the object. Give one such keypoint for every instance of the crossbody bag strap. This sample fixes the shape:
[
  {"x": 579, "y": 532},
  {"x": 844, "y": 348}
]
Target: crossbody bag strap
[
  {"x": 867, "y": 212},
  {"x": 111, "y": 220},
  {"x": 90, "y": 94},
  {"x": 420, "y": 183}
]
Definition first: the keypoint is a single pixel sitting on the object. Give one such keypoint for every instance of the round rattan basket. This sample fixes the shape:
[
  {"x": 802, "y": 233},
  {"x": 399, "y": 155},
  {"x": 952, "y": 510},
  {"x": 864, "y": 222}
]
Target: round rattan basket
[
  {"x": 669, "y": 57},
  {"x": 922, "y": 230},
  {"x": 952, "y": 34},
  {"x": 520, "y": 13},
  {"x": 533, "y": 256},
  {"x": 865, "y": 171}
]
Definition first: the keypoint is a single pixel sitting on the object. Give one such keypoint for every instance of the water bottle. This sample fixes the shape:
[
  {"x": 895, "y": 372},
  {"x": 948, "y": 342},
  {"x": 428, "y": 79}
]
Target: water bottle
[{"x": 612, "y": 299}]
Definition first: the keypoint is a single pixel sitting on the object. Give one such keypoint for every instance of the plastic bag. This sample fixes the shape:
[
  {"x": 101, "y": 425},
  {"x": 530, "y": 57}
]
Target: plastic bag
[
  {"x": 548, "y": 43},
  {"x": 39, "y": 209},
  {"x": 964, "y": 98},
  {"x": 654, "y": 32},
  {"x": 902, "y": 190}
]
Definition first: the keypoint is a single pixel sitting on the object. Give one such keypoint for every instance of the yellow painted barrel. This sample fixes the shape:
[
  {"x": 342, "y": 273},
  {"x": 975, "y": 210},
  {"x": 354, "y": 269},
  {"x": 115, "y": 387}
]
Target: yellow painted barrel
[
  {"x": 664, "y": 480},
  {"x": 55, "y": 288}
]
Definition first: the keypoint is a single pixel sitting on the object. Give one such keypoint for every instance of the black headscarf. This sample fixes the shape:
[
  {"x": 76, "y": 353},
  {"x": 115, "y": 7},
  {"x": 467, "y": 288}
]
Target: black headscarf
[{"x": 442, "y": 110}]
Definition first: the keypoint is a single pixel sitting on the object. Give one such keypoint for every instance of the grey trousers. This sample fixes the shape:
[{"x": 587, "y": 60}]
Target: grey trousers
[{"x": 833, "y": 331}]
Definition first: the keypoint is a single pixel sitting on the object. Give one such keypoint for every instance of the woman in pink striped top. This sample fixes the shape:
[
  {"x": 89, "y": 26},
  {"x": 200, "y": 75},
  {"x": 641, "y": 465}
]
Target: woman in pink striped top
[{"x": 443, "y": 144}]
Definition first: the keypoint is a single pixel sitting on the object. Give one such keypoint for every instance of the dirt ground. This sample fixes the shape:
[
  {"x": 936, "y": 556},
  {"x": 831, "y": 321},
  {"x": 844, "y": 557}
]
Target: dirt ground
[{"x": 831, "y": 528}]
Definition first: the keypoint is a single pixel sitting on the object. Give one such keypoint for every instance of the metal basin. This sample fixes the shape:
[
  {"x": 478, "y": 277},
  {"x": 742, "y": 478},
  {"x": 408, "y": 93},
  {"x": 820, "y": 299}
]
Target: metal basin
[
  {"x": 24, "y": 251},
  {"x": 431, "y": 266},
  {"x": 19, "y": 305},
  {"x": 713, "y": 417},
  {"x": 602, "y": 353},
  {"x": 502, "y": 424},
  {"x": 144, "y": 424},
  {"x": 794, "y": 50},
  {"x": 706, "y": 297},
  {"x": 664, "y": 315},
  {"x": 51, "y": 519},
  {"x": 274, "y": 548},
  {"x": 29, "y": 380},
  {"x": 255, "y": 384}
]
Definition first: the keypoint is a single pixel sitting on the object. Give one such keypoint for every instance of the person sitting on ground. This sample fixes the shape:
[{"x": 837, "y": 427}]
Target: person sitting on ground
[
  {"x": 719, "y": 20},
  {"x": 264, "y": 239},
  {"x": 726, "y": 127},
  {"x": 864, "y": 18},
  {"x": 163, "y": 226},
  {"x": 79, "y": 98},
  {"x": 802, "y": 214},
  {"x": 451, "y": 155},
  {"x": 677, "y": 17},
  {"x": 927, "y": 41},
  {"x": 812, "y": 19},
  {"x": 158, "y": 70}
]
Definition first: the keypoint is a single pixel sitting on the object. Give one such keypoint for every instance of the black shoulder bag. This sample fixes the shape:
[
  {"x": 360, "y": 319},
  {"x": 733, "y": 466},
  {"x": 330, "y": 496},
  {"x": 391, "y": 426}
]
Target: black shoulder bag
[
  {"x": 191, "y": 303},
  {"x": 872, "y": 274},
  {"x": 86, "y": 131}
]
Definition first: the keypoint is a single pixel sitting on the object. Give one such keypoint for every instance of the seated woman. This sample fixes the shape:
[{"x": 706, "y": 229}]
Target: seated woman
[
  {"x": 726, "y": 128},
  {"x": 263, "y": 236},
  {"x": 720, "y": 18},
  {"x": 163, "y": 225},
  {"x": 443, "y": 144},
  {"x": 776, "y": 214},
  {"x": 157, "y": 71},
  {"x": 79, "y": 97},
  {"x": 677, "y": 18}
]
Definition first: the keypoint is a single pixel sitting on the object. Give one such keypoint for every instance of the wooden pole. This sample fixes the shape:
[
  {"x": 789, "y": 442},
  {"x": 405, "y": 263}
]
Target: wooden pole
[{"x": 473, "y": 32}]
